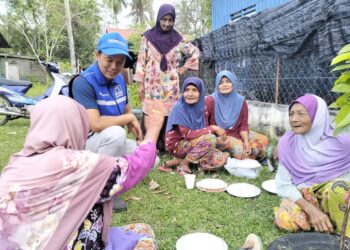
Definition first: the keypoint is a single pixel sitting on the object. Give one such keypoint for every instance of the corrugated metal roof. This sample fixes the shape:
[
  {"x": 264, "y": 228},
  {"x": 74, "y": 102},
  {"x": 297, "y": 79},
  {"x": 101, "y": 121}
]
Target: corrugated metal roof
[{"x": 223, "y": 9}]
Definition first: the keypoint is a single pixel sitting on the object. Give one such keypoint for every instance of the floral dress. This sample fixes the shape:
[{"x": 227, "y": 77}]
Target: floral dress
[
  {"x": 89, "y": 234},
  {"x": 164, "y": 85}
]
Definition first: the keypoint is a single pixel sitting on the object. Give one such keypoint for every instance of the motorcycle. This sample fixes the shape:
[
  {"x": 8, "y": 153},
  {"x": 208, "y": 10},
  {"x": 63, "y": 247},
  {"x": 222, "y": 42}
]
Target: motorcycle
[{"x": 15, "y": 104}]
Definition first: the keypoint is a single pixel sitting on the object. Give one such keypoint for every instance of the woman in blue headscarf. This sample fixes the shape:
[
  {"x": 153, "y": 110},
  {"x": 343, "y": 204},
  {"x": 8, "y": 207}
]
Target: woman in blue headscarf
[
  {"x": 187, "y": 135},
  {"x": 228, "y": 110}
]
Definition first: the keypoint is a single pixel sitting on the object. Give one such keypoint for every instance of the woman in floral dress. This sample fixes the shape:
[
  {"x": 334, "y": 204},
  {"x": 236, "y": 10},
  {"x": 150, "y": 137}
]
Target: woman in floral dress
[{"x": 158, "y": 66}]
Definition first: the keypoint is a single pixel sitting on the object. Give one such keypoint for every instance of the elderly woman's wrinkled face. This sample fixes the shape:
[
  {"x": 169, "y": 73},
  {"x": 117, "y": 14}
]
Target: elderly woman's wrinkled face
[
  {"x": 167, "y": 22},
  {"x": 299, "y": 119},
  {"x": 191, "y": 94},
  {"x": 225, "y": 86}
]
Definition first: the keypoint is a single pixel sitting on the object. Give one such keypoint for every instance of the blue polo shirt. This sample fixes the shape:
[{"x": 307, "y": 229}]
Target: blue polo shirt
[{"x": 93, "y": 91}]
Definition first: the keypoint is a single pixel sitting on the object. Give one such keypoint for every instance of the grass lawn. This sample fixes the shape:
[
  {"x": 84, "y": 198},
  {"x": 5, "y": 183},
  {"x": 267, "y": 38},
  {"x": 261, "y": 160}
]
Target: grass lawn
[{"x": 178, "y": 211}]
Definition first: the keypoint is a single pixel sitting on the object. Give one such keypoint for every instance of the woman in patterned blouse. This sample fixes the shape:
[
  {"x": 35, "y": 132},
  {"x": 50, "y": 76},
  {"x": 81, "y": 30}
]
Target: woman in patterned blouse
[{"x": 158, "y": 66}]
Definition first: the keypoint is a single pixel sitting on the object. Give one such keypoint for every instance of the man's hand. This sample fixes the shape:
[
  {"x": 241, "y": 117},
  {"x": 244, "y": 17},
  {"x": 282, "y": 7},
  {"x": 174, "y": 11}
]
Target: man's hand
[{"x": 135, "y": 128}]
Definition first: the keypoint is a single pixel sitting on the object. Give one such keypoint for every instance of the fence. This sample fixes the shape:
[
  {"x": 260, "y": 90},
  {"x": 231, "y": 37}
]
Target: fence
[{"x": 274, "y": 80}]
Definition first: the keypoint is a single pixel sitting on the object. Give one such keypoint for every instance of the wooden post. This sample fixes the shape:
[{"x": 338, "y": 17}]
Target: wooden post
[{"x": 278, "y": 74}]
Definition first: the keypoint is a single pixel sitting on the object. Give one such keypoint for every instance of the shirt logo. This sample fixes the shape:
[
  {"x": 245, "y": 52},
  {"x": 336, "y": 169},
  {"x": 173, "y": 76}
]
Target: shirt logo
[{"x": 118, "y": 92}]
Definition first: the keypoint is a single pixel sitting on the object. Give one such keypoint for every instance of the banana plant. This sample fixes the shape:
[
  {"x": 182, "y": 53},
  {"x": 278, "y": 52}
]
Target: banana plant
[{"x": 341, "y": 64}]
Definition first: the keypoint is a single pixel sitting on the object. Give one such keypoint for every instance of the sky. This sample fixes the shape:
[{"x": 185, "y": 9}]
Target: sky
[{"x": 125, "y": 21}]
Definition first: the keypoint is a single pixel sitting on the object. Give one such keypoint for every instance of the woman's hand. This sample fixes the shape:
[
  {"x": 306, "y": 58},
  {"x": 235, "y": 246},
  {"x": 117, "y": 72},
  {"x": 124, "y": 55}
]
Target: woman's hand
[
  {"x": 217, "y": 130},
  {"x": 318, "y": 219},
  {"x": 246, "y": 149},
  {"x": 154, "y": 119}
]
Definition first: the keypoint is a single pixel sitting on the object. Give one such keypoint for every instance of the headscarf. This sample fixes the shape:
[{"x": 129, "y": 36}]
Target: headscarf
[
  {"x": 316, "y": 156},
  {"x": 227, "y": 107},
  {"x": 162, "y": 40},
  {"x": 188, "y": 115},
  {"x": 48, "y": 188}
]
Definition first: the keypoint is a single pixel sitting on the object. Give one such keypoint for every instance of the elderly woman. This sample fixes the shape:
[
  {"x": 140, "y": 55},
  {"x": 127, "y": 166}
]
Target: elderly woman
[
  {"x": 228, "y": 110},
  {"x": 158, "y": 67},
  {"x": 313, "y": 172},
  {"x": 55, "y": 195},
  {"x": 187, "y": 136}
]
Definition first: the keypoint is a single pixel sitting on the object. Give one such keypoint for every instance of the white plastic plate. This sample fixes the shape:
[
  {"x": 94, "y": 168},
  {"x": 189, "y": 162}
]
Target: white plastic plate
[
  {"x": 200, "y": 241},
  {"x": 243, "y": 190},
  {"x": 270, "y": 186}
]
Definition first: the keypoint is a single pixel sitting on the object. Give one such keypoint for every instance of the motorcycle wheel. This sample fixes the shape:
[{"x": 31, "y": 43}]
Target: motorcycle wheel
[{"x": 4, "y": 102}]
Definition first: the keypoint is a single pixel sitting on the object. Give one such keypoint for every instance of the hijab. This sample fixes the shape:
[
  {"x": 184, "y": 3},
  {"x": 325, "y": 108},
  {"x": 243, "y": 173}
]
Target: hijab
[
  {"x": 188, "y": 115},
  {"x": 316, "y": 156},
  {"x": 227, "y": 107},
  {"x": 163, "y": 41},
  {"x": 48, "y": 188}
]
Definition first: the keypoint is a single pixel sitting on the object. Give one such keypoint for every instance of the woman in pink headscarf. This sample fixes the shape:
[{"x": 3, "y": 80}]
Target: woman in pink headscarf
[
  {"x": 314, "y": 170},
  {"x": 55, "y": 195}
]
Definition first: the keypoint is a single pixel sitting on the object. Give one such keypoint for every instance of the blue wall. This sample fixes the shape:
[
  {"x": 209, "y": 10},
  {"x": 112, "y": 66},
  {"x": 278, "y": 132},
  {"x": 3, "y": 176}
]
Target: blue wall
[{"x": 222, "y": 9}]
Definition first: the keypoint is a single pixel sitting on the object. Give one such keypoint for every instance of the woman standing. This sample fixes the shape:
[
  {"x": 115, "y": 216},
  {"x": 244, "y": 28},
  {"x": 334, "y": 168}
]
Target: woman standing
[
  {"x": 158, "y": 65},
  {"x": 228, "y": 110}
]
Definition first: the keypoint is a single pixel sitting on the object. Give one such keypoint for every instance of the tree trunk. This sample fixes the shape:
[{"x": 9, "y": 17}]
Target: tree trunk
[{"x": 70, "y": 36}]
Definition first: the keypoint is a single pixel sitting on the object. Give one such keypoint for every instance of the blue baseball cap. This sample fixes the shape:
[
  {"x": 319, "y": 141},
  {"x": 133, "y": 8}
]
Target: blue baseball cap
[{"x": 113, "y": 44}]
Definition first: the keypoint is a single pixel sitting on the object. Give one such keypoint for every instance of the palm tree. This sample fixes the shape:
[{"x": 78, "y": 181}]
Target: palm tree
[
  {"x": 140, "y": 9},
  {"x": 116, "y": 6}
]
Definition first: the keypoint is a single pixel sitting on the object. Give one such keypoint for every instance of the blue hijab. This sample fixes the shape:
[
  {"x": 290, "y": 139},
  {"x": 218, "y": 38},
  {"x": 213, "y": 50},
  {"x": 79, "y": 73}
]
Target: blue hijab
[
  {"x": 188, "y": 115},
  {"x": 227, "y": 107}
]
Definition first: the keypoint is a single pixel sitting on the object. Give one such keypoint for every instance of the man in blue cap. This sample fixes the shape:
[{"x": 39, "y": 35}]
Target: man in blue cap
[{"x": 101, "y": 89}]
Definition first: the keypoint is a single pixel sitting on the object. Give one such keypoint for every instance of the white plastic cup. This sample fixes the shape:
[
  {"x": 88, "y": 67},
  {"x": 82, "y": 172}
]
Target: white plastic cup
[{"x": 190, "y": 180}]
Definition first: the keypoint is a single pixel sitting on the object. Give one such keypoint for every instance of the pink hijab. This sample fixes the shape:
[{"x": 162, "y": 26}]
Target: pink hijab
[{"x": 49, "y": 187}]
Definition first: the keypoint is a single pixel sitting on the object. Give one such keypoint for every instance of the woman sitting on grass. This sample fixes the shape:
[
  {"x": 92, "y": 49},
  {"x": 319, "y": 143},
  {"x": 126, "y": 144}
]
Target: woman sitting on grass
[
  {"x": 187, "y": 136},
  {"x": 228, "y": 110},
  {"x": 55, "y": 195},
  {"x": 313, "y": 173}
]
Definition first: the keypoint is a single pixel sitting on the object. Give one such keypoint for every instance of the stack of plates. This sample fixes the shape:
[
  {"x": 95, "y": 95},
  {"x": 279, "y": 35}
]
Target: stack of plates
[
  {"x": 201, "y": 241},
  {"x": 211, "y": 185}
]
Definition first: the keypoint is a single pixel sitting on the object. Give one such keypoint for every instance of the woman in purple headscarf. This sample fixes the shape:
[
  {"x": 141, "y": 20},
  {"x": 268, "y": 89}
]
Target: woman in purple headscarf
[
  {"x": 228, "y": 110},
  {"x": 187, "y": 135},
  {"x": 158, "y": 66},
  {"x": 313, "y": 173}
]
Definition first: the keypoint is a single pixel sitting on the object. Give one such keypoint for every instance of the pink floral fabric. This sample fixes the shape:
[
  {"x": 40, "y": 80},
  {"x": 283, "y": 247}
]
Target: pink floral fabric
[{"x": 164, "y": 85}]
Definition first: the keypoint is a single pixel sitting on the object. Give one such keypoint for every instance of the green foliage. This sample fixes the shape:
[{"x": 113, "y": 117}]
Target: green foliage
[
  {"x": 133, "y": 96},
  {"x": 341, "y": 63},
  {"x": 136, "y": 36},
  {"x": 38, "y": 27},
  {"x": 193, "y": 17}
]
